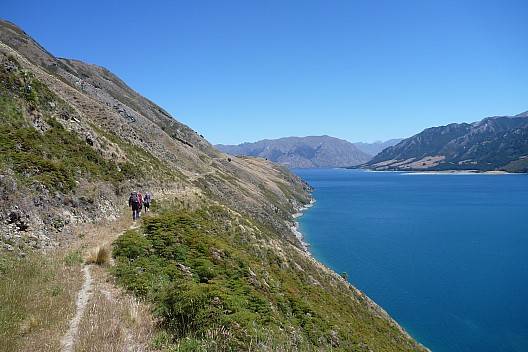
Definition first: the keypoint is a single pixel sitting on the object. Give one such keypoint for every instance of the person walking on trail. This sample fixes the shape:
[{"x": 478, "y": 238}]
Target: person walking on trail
[
  {"x": 146, "y": 202},
  {"x": 140, "y": 198},
  {"x": 133, "y": 202}
]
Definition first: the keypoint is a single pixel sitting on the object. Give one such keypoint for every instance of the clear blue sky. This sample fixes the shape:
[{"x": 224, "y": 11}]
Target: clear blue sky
[{"x": 246, "y": 70}]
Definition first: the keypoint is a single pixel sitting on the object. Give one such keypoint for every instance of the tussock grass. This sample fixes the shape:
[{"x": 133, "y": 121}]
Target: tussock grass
[
  {"x": 99, "y": 255},
  {"x": 38, "y": 296}
]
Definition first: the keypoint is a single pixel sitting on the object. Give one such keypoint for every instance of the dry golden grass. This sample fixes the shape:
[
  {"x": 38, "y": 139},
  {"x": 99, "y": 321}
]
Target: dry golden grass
[
  {"x": 99, "y": 255},
  {"x": 37, "y": 299},
  {"x": 114, "y": 320}
]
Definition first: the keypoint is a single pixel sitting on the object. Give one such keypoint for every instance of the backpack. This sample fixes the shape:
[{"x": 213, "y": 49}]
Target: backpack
[
  {"x": 146, "y": 199},
  {"x": 134, "y": 197}
]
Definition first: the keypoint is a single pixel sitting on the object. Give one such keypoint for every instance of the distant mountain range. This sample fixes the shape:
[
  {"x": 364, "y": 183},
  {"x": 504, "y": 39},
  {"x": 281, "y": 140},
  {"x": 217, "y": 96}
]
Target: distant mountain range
[
  {"x": 497, "y": 143},
  {"x": 302, "y": 152},
  {"x": 376, "y": 147}
]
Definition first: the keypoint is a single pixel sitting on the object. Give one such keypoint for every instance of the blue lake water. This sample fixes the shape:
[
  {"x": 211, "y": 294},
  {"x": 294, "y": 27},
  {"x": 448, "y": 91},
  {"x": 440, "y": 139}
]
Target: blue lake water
[{"x": 445, "y": 255}]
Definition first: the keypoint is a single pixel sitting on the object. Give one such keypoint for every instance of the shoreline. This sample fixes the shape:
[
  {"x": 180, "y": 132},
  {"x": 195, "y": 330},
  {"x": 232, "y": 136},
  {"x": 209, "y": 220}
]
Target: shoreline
[
  {"x": 459, "y": 172},
  {"x": 295, "y": 228},
  {"x": 447, "y": 172},
  {"x": 381, "y": 312},
  {"x": 455, "y": 173}
]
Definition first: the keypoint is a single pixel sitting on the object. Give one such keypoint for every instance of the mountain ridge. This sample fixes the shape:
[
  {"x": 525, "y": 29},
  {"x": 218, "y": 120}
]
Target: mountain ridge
[
  {"x": 302, "y": 152},
  {"x": 498, "y": 143}
]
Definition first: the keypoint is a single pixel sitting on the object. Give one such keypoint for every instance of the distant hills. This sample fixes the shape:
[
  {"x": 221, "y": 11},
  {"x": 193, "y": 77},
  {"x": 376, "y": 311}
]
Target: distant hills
[
  {"x": 497, "y": 143},
  {"x": 306, "y": 152},
  {"x": 376, "y": 147}
]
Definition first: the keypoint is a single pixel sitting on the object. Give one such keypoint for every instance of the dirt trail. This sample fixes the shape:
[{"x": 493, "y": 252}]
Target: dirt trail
[
  {"x": 82, "y": 301},
  {"x": 106, "y": 315}
]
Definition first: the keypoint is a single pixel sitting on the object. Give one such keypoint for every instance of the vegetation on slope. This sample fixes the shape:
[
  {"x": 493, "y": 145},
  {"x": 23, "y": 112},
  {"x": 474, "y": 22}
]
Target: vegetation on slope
[
  {"x": 219, "y": 281},
  {"x": 36, "y": 146},
  {"x": 36, "y": 292},
  {"x": 51, "y": 175}
]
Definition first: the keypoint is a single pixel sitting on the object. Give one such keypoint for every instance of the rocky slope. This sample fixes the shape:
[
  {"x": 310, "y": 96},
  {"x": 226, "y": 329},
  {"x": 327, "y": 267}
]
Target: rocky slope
[
  {"x": 494, "y": 144},
  {"x": 302, "y": 152},
  {"x": 74, "y": 141},
  {"x": 111, "y": 118}
]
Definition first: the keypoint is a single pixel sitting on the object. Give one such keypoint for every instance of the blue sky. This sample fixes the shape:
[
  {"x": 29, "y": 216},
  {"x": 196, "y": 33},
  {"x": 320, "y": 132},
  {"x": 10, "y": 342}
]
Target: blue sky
[{"x": 245, "y": 70}]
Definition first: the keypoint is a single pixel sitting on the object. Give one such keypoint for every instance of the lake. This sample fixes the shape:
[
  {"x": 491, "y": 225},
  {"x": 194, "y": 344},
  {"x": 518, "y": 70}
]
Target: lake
[{"x": 446, "y": 255}]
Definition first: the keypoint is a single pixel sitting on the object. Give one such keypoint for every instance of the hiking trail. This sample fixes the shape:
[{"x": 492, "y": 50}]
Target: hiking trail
[
  {"x": 82, "y": 300},
  {"x": 85, "y": 296}
]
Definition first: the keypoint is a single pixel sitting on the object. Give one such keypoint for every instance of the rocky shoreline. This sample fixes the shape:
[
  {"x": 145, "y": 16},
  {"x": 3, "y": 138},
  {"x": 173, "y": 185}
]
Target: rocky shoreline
[{"x": 296, "y": 225}]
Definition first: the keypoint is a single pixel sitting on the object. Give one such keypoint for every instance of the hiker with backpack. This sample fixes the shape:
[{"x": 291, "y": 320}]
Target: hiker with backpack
[
  {"x": 134, "y": 202},
  {"x": 140, "y": 198},
  {"x": 146, "y": 201}
]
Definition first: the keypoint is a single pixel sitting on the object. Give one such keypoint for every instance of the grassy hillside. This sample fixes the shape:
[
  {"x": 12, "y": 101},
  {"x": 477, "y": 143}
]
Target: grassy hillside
[
  {"x": 36, "y": 146},
  {"x": 215, "y": 267}
]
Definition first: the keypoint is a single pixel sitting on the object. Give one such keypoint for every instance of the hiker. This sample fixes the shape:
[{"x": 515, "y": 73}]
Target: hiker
[
  {"x": 146, "y": 201},
  {"x": 140, "y": 198},
  {"x": 133, "y": 202}
]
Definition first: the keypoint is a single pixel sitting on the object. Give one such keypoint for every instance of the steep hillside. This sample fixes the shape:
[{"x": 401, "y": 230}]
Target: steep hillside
[
  {"x": 217, "y": 260},
  {"x": 302, "y": 152},
  {"x": 493, "y": 144},
  {"x": 122, "y": 127}
]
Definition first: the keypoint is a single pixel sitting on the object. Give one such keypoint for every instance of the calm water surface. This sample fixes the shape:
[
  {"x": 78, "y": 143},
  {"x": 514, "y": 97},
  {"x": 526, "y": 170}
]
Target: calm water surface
[{"x": 445, "y": 255}]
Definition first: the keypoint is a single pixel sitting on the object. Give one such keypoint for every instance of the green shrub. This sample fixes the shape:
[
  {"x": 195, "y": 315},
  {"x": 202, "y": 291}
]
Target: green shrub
[
  {"x": 193, "y": 345},
  {"x": 161, "y": 340},
  {"x": 130, "y": 245},
  {"x": 54, "y": 157}
]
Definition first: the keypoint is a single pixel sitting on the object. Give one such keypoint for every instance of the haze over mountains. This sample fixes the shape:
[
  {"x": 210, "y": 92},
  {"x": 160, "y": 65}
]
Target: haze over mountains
[
  {"x": 221, "y": 240},
  {"x": 127, "y": 132},
  {"x": 497, "y": 143},
  {"x": 376, "y": 147},
  {"x": 309, "y": 152}
]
